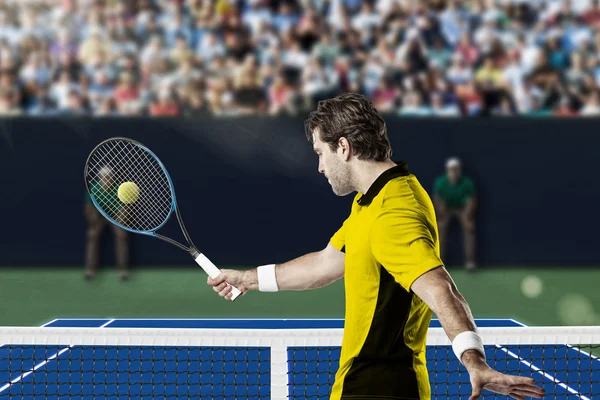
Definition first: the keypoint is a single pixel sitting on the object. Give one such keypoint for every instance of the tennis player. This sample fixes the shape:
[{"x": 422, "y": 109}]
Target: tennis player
[{"x": 388, "y": 252}]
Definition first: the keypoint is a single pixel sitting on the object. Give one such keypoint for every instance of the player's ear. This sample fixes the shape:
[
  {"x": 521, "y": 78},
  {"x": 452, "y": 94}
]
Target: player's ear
[{"x": 344, "y": 147}]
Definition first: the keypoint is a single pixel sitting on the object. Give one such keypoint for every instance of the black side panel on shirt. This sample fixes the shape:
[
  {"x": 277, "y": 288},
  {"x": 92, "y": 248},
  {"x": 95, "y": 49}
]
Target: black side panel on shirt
[{"x": 384, "y": 366}]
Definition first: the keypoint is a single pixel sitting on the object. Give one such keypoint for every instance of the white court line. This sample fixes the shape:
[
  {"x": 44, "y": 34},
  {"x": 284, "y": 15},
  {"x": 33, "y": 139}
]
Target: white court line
[
  {"x": 40, "y": 365},
  {"x": 108, "y": 323},
  {"x": 539, "y": 371},
  {"x": 31, "y": 371},
  {"x": 517, "y": 322},
  {"x": 591, "y": 356}
]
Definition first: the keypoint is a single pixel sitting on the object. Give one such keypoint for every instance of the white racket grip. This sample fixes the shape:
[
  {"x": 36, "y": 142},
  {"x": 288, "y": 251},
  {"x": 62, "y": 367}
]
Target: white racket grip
[{"x": 212, "y": 271}]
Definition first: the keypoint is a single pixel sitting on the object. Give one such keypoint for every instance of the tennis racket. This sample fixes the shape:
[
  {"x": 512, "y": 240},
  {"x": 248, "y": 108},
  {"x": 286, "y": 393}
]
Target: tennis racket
[{"x": 132, "y": 189}]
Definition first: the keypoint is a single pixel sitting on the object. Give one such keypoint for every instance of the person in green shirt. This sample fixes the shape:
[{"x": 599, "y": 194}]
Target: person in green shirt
[
  {"x": 454, "y": 197},
  {"x": 105, "y": 193}
]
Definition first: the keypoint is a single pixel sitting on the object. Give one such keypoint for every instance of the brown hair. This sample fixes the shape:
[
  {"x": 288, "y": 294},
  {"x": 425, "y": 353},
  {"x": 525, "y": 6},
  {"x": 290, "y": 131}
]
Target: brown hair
[{"x": 354, "y": 117}]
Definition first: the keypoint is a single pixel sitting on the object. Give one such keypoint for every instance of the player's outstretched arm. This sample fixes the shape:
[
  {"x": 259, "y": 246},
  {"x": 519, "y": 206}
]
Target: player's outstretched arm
[
  {"x": 310, "y": 271},
  {"x": 437, "y": 289}
]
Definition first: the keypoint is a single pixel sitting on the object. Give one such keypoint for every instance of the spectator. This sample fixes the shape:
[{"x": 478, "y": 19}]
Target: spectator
[
  {"x": 565, "y": 109},
  {"x": 75, "y": 105},
  {"x": 127, "y": 90},
  {"x": 196, "y": 105},
  {"x": 459, "y": 73},
  {"x": 438, "y": 108},
  {"x": 591, "y": 16},
  {"x": 413, "y": 105},
  {"x": 281, "y": 97},
  {"x": 41, "y": 103},
  {"x": 496, "y": 58},
  {"x": 440, "y": 54},
  {"x": 63, "y": 45},
  {"x": 165, "y": 105},
  {"x": 489, "y": 74},
  {"x": 592, "y": 105},
  {"x": 92, "y": 46},
  {"x": 386, "y": 96},
  {"x": 470, "y": 97},
  {"x": 467, "y": 50},
  {"x": 180, "y": 52},
  {"x": 106, "y": 190},
  {"x": 454, "y": 197},
  {"x": 412, "y": 55},
  {"x": 8, "y": 107}
]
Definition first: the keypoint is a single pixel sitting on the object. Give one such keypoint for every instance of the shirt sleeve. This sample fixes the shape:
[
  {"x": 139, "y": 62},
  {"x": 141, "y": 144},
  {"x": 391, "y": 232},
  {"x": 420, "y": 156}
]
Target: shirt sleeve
[
  {"x": 403, "y": 244},
  {"x": 338, "y": 240}
]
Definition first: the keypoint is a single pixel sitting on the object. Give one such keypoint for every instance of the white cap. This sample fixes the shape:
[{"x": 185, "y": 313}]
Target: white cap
[{"x": 453, "y": 162}]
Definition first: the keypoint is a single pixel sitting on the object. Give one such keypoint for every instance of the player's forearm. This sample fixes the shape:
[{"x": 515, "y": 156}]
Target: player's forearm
[
  {"x": 451, "y": 309},
  {"x": 302, "y": 273},
  {"x": 455, "y": 316}
]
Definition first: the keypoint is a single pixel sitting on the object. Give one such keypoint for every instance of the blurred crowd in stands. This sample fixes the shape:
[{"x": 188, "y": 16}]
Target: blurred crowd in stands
[{"x": 272, "y": 57}]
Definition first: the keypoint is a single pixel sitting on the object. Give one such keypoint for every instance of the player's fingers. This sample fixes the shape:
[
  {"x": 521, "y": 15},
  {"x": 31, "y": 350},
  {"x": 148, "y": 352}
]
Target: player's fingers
[
  {"x": 225, "y": 291},
  {"x": 220, "y": 287},
  {"x": 520, "y": 380},
  {"x": 517, "y": 396},
  {"x": 527, "y": 393},
  {"x": 532, "y": 388},
  {"x": 534, "y": 391},
  {"x": 217, "y": 280}
]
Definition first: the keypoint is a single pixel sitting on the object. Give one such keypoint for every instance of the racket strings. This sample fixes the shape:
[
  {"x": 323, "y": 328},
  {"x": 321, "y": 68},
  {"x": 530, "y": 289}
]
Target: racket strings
[
  {"x": 148, "y": 181},
  {"x": 139, "y": 215},
  {"x": 118, "y": 161},
  {"x": 115, "y": 207}
]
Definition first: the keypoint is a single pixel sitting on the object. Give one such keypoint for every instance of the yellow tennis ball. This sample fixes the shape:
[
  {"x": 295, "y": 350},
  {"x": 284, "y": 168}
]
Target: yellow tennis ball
[{"x": 128, "y": 192}]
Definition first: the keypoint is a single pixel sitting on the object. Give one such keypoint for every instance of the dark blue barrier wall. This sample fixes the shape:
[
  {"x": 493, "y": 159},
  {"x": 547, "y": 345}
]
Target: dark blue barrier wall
[{"x": 250, "y": 193}]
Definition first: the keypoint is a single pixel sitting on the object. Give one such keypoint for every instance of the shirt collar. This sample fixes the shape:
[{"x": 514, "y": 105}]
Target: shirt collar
[{"x": 401, "y": 169}]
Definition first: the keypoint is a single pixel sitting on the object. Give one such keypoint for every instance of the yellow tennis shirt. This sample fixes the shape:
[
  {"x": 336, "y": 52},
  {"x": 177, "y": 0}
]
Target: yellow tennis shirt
[{"x": 389, "y": 239}]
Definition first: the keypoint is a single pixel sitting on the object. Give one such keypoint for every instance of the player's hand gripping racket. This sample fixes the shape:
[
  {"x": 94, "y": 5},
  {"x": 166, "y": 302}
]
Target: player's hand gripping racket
[{"x": 131, "y": 188}]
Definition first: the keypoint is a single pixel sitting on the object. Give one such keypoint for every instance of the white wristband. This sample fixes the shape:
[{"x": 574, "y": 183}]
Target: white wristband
[
  {"x": 467, "y": 340},
  {"x": 267, "y": 282}
]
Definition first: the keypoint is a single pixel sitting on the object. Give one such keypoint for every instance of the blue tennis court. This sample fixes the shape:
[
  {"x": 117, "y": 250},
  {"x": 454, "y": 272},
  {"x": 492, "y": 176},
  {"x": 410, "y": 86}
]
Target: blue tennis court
[{"x": 246, "y": 369}]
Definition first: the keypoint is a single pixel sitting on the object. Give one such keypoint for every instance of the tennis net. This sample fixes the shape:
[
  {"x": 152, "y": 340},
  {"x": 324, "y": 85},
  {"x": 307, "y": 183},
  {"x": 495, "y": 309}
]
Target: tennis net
[{"x": 150, "y": 363}]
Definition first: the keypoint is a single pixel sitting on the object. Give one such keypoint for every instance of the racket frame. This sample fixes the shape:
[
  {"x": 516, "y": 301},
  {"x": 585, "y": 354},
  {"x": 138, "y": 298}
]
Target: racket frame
[{"x": 200, "y": 258}]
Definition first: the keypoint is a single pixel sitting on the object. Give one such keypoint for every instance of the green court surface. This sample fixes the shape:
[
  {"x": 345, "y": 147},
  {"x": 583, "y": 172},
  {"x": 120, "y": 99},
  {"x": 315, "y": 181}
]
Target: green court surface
[{"x": 32, "y": 296}]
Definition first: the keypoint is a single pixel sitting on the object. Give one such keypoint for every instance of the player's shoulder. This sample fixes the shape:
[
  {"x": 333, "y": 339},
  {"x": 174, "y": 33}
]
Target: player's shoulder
[{"x": 399, "y": 193}]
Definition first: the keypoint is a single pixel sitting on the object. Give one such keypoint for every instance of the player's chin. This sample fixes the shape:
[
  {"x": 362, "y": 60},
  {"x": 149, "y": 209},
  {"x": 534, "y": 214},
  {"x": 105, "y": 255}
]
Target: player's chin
[{"x": 339, "y": 192}]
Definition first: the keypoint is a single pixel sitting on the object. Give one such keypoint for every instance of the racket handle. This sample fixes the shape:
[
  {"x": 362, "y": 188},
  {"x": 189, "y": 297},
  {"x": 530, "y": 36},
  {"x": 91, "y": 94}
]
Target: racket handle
[{"x": 212, "y": 271}]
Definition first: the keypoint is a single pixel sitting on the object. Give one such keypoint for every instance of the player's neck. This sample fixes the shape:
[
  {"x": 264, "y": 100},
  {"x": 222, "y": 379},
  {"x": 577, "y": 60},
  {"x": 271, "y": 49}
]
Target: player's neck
[{"x": 368, "y": 171}]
